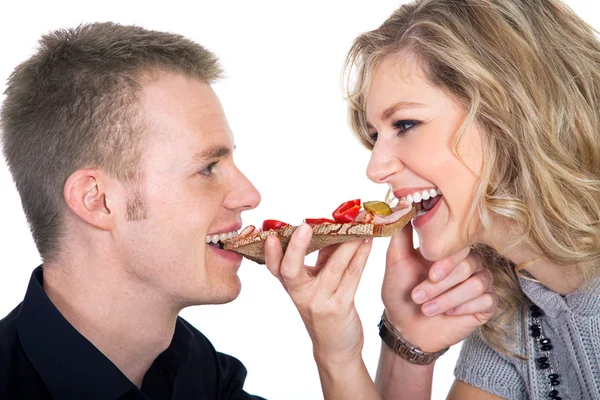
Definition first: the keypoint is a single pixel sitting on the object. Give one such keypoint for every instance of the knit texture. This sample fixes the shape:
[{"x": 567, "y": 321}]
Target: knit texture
[{"x": 571, "y": 322}]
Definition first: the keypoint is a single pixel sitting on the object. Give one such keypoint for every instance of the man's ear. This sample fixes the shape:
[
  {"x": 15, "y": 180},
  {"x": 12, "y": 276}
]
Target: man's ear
[{"x": 86, "y": 193}]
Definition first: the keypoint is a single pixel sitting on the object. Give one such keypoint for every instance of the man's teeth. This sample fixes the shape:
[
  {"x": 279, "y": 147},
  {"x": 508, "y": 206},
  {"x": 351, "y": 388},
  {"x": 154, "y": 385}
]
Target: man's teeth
[
  {"x": 221, "y": 236},
  {"x": 422, "y": 195}
]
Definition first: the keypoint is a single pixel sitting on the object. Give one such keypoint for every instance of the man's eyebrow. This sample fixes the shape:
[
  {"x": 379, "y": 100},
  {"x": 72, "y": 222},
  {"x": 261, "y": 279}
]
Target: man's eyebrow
[
  {"x": 212, "y": 153},
  {"x": 401, "y": 105}
]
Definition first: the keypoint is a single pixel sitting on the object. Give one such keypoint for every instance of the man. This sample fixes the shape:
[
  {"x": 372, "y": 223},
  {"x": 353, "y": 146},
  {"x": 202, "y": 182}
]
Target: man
[{"x": 122, "y": 156}]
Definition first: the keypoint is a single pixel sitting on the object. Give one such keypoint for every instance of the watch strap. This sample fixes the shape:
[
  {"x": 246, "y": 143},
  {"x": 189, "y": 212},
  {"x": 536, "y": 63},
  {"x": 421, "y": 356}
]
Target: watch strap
[{"x": 413, "y": 354}]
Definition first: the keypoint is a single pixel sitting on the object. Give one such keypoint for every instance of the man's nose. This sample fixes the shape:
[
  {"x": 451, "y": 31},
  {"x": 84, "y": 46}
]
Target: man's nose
[{"x": 243, "y": 195}]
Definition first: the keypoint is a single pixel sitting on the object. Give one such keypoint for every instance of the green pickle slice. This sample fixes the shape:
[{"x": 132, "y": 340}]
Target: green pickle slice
[{"x": 377, "y": 207}]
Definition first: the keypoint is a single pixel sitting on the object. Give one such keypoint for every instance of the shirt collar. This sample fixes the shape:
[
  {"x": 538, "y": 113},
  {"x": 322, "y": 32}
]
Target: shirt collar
[
  {"x": 67, "y": 362},
  {"x": 70, "y": 365}
]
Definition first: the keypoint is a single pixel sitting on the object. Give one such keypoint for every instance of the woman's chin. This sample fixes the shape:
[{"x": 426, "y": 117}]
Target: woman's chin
[
  {"x": 435, "y": 250},
  {"x": 430, "y": 254}
]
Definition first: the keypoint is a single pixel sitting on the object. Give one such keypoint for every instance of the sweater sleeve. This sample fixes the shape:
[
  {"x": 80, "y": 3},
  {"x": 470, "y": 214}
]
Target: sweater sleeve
[{"x": 481, "y": 366}]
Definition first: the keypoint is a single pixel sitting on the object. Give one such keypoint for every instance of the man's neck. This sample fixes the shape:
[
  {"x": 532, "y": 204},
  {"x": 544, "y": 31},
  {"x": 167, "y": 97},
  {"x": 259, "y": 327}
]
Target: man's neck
[{"x": 121, "y": 318}]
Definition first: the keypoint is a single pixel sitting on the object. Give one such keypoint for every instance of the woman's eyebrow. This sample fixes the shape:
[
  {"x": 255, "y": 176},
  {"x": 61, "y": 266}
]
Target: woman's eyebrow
[{"x": 401, "y": 105}]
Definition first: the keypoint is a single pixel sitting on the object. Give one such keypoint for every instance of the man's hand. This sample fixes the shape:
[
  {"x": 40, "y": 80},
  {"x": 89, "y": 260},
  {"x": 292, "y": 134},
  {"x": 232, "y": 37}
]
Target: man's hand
[{"x": 435, "y": 305}]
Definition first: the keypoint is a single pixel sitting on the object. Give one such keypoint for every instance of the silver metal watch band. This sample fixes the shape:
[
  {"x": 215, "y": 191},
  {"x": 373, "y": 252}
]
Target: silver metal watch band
[{"x": 390, "y": 336}]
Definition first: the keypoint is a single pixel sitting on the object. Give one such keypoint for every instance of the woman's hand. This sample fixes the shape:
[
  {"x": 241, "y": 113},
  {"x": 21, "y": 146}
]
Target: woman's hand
[
  {"x": 323, "y": 294},
  {"x": 435, "y": 305}
]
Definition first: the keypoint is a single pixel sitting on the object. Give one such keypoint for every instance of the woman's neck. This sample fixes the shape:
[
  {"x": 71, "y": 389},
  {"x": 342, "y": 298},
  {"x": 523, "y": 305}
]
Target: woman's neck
[
  {"x": 558, "y": 278},
  {"x": 562, "y": 280}
]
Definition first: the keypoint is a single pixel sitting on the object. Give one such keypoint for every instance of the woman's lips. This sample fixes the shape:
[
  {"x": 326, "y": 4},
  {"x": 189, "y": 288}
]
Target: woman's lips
[{"x": 423, "y": 217}]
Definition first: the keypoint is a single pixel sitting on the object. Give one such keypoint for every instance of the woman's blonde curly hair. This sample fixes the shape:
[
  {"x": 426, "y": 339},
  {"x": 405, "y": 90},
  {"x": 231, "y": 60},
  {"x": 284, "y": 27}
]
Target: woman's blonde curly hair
[{"x": 528, "y": 72}]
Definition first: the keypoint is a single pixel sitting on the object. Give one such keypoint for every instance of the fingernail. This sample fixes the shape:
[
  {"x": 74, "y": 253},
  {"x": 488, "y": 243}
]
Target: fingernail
[
  {"x": 437, "y": 275},
  {"x": 270, "y": 242},
  {"x": 430, "y": 309},
  {"x": 302, "y": 230},
  {"x": 367, "y": 240},
  {"x": 419, "y": 296}
]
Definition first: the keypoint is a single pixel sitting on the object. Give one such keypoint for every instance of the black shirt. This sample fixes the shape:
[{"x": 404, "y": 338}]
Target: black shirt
[{"x": 42, "y": 356}]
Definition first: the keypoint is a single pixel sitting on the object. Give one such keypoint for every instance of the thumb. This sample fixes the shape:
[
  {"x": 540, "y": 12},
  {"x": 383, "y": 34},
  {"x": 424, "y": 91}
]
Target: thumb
[
  {"x": 404, "y": 269},
  {"x": 401, "y": 246}
]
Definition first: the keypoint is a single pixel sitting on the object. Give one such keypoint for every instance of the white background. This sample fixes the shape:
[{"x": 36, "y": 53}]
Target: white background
[{"x": 283, "y": 100}]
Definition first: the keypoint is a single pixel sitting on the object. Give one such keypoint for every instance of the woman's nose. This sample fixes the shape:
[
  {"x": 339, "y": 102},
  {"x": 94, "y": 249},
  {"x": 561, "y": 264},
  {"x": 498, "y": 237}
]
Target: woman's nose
[{"x": 384, "y": 163}]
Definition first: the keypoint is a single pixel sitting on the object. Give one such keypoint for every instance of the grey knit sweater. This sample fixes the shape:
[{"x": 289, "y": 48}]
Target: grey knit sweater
[{"x": 572, "y": 323}]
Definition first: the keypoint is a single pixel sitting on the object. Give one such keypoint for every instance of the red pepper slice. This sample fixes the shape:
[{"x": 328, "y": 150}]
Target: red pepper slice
[
  {"x": 316, "y": 221},
  {"x": 347, "y": 211},
  {"x": 270, "y": 224}
]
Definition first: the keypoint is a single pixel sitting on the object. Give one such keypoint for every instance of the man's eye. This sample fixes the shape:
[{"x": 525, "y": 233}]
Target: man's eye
[
  {"x": 404, "y": 125},
  {"x": 207, "y": 171}
]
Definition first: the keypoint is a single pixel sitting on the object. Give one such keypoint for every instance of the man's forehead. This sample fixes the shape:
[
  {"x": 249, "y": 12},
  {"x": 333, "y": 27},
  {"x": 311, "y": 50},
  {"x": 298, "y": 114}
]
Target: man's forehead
[
  {"x": 186, "y": 122},
  {"x": 176, "y": 102},
  {"x": 177, "y": 94}
]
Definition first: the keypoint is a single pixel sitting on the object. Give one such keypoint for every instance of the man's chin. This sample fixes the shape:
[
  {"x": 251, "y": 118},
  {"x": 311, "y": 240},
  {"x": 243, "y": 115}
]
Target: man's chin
[
  {"x": 230, "y": 295},
  {"x": 221, "y": 295}
]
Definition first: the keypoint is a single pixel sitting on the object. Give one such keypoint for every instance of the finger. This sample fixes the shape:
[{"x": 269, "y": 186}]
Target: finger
[
  {"x": 322, "y": 258},
  {"x": 292, "y": 266},
  {"x": 351, "y": 278},
  {"x": 428, "y": 290},
  {"x": 324, "y": 255},
  {"x": 485, "y": 305},
  {"x": 401, "y": 246},
  {"x": 273, "y": 256},
  {"x": 472, "y": 288},
  {"x": 441, "y": 269},
  {"x": 331, "y": 274}
]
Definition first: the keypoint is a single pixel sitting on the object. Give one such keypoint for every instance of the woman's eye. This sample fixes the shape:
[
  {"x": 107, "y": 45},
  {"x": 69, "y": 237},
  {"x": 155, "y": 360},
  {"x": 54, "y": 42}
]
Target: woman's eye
[
  {"x": 207, "y": 171},
  {"x": 404, "y": 125},
  {"x": 372, "y": 137}
]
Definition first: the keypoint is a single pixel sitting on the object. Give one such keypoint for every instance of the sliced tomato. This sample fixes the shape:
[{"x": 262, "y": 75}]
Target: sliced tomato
[
  {"x": 270, "y": 224},
  {"x": 316, "y": 221},
  {"x": 347, "y": 211}
]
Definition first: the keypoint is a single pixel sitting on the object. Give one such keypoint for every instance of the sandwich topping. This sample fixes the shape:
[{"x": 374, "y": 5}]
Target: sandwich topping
[
  {"x": 350, "y": 222},
  {"x": 375, "y": 212}
]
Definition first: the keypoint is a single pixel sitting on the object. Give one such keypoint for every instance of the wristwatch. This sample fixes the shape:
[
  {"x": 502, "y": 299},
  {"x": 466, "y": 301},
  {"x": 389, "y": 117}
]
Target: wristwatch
[{"x": 390, "y": 336}]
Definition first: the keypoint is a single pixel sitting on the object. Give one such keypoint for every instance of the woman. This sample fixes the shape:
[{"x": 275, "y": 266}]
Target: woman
[{"x": 495, "y": 104}]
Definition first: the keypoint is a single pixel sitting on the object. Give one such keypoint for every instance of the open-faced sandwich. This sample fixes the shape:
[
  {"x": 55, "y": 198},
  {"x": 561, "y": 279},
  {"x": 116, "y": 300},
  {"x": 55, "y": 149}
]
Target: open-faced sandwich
[{"x": 351, "y": 221}]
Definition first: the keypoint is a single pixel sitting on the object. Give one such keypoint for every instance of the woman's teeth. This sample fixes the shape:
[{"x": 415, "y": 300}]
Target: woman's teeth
[
  {"x": 221, "y": 236},
  {"x": 426, "y": 194}
]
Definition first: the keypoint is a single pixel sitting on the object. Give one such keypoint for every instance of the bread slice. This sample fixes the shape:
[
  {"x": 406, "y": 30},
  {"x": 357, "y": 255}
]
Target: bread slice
[{"x": 253, "y": 246}]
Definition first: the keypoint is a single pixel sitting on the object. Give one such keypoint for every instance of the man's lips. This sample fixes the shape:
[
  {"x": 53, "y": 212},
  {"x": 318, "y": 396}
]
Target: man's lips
[{"x": 231, "y": 228}]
